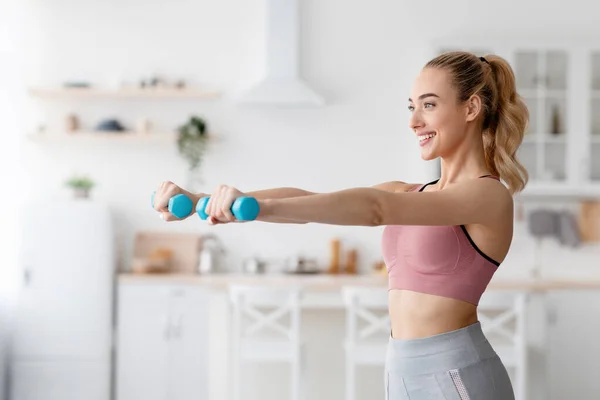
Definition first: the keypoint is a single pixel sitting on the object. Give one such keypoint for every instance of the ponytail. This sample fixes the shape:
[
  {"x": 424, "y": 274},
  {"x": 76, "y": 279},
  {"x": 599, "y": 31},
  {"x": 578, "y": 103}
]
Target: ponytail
[{"x": 507, "y": 127}]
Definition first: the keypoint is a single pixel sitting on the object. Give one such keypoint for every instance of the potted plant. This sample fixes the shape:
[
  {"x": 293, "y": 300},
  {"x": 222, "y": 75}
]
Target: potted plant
[
  {"x": 81, "y": 185},
  {"x": 192, "y": 142}
]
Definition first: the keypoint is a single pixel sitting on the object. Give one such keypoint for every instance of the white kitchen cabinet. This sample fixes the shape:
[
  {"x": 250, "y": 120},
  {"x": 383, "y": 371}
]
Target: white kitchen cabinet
[
  {"x": 162, "y": 345},
  {"x": 573, "y": 349},
  {"x": 560, "y": 83}
]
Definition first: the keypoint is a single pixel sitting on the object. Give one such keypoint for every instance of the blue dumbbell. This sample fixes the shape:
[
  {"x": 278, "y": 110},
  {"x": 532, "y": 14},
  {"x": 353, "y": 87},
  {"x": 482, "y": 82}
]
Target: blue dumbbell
[
  {"x": 180, "y": 205},
  {"x": 243, "y": 208}
]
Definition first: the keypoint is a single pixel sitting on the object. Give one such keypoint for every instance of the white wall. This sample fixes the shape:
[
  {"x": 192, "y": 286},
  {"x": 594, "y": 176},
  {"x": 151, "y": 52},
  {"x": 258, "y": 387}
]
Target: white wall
[
  {"x": 11, "y": 189},
  {"x": 362, "y": 56}
]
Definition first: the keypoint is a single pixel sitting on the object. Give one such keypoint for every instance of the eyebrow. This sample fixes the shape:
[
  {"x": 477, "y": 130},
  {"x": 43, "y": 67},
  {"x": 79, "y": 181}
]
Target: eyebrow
[{"x": 426, "y": 95}]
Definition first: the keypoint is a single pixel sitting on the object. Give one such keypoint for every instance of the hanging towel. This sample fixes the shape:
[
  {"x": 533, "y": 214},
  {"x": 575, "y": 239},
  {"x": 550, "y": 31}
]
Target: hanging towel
[{"x": 568, "y": 230}]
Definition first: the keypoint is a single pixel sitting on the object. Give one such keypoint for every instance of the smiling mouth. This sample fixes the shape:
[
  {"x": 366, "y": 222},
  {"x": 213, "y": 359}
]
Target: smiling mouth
[{"x": 426, "y": 138}]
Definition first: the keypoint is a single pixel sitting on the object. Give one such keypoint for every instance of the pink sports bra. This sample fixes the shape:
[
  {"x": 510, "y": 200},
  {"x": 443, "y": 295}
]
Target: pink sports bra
[{"x": 438, "y": 260}]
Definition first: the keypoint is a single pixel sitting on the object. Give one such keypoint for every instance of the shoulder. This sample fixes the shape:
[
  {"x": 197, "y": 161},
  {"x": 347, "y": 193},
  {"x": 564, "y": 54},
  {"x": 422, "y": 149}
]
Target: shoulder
[
  {"x": 396, "y": 186},
  {"x": 488, "y": 195},
  {"x": 472, "y": 201}
]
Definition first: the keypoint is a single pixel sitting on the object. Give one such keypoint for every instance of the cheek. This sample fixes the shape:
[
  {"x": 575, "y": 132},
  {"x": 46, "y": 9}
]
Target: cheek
[{"x": 450, "y": 126}]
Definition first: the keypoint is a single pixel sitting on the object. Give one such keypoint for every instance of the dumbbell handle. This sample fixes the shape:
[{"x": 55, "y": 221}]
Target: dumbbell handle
[
  {"x": 180, "y": 205},
  {"x": 243, "y": 208}
]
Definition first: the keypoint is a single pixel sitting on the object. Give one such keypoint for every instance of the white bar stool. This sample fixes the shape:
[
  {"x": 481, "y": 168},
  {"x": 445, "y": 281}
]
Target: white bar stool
[
  {"x": 256, "y": 310},
  {"x": 367, "y": 315},
  {"x": 502, "y": 315}
]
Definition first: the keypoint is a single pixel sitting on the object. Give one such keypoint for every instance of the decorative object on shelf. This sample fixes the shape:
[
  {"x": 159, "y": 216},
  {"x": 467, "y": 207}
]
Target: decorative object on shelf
[
  {"x": 556, "y": 126},
  {"x": 81, "y": 185},
  {"x": 77, "y": 85},
  {"x": 157, "y": 82},
  {"x": 110, "y": 125},
  {"x": 143, "y": 126},
  {"x": 192, "y": 141},
  {"x": 209, "y": 259},
  {"x": 254, "y": 265},
  {"x": 157, "y": 262},
  {"x": 126, "y": 92},
  {"x": 334, "y": 263},
  {"x": 351, "y": 259},
  {"x": 152, "y": 248},
  {"x": 153, "y": 82},
  {"x": 72, "y": 123},
  {"x": 589, "y": 221},
  {"x": 548, "y": 223},
  {"x": 301, "y": 265},
  {"x": 379, "y": 268}
]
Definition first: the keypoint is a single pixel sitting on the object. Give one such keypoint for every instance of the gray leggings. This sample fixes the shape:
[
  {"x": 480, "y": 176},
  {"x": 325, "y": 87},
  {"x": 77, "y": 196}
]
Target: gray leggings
[{"x": 456, "y": 365}]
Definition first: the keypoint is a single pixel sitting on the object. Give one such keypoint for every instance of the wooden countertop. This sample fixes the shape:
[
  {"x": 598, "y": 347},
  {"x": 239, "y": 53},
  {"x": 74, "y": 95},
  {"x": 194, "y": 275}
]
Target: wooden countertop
[{"x": 325, "y": 282}]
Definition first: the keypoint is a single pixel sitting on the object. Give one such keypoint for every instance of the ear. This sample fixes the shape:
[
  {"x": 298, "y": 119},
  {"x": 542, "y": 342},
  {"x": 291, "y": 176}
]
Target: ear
[{"x": 473, "y": 108}]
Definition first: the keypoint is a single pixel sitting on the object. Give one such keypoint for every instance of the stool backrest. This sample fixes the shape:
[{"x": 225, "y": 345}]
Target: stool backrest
[
  {"x": 367, "y": 306},
  {"x": 502, "y": 315},
  {"x": 260, "y": 307}
]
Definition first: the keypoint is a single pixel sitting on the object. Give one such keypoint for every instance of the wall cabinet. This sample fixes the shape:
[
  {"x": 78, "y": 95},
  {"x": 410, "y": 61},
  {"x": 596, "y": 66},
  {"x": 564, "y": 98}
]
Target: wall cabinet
[
  {"x": 560, "y": 83},
  {"x": 162, "y": 342}
]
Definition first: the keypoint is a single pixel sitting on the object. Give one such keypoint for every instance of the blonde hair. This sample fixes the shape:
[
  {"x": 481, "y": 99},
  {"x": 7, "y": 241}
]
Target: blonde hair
[{"x": 505, "y": 115}]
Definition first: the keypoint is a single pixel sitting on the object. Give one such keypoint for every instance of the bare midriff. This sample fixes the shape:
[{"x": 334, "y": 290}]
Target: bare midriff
[{"x": 417, "y": 315}]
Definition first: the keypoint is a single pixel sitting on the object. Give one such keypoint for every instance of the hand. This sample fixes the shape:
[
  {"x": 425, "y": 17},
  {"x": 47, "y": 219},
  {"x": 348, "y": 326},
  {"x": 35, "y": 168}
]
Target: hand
[
  {"x": 165, "y": 191},
  {"x": 219, "y": 205}
]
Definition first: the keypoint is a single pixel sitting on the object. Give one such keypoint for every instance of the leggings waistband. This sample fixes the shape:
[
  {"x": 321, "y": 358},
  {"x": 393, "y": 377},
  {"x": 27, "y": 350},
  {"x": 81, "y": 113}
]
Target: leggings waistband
[{"x": 442, "y": 352}]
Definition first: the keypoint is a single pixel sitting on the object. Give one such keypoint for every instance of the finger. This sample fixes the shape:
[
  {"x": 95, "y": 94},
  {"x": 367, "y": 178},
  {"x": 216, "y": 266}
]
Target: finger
[
  {"x": 167, "y": 216},
  {"x": 161, "y": 202},
  {"x": 218, "y": 206},
  {"x": 210, "y": 205},
  {"x": 229, "y": 198},
  {"x": 165, "y": 191}
]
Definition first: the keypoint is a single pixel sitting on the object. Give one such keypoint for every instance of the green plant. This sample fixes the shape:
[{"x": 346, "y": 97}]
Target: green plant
[
  {"x": 192, "y": 141},
  {"x": 80, "y": 182}
]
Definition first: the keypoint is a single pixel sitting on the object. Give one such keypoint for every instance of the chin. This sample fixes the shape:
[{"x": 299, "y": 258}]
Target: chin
[{"x": 428, "y": 155}]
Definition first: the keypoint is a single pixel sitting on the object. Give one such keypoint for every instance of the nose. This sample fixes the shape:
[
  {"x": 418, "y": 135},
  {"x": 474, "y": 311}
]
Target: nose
[{"x": 415, "y": 121}]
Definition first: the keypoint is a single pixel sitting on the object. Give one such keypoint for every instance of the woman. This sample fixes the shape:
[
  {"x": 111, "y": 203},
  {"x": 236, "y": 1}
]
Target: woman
[{"x": 443, "y": 240}]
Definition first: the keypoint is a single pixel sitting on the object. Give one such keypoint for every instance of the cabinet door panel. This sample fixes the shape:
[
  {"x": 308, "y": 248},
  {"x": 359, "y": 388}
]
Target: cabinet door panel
[{"x": 143, "y": 343}]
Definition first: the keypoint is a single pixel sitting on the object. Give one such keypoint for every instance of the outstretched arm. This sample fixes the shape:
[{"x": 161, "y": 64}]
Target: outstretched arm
[
  {"x": 278, "y": 193},
  {"x": 473, "y": 201},
  {"x": 288, "y": 192},
  {"x": 223, "y": 196}
]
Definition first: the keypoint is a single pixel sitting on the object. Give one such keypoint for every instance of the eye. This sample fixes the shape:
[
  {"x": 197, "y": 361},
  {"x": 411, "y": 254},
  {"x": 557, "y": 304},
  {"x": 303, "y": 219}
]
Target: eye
[
  {"x": 428, "y": 104},
  {"x": 411, "y": 107}
]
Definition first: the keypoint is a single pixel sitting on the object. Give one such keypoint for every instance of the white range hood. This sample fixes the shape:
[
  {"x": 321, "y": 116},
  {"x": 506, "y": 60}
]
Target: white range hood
[{"x": 282, "y": 84}]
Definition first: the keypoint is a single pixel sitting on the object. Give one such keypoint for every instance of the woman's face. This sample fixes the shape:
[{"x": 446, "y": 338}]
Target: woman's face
[{"x": 436, "y": 116}]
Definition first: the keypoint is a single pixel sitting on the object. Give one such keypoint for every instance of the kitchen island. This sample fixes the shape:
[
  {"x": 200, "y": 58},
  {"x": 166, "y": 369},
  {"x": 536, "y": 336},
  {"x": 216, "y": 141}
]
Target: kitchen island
[{"x": 173, "y": 335}]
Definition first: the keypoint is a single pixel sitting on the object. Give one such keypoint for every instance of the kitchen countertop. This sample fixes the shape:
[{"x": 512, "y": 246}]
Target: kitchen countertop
[{"x": 326, "y": 282}]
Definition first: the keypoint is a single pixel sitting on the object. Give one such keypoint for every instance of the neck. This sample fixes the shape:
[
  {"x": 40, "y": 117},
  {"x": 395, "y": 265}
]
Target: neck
[{"x": 467, "y": 161}]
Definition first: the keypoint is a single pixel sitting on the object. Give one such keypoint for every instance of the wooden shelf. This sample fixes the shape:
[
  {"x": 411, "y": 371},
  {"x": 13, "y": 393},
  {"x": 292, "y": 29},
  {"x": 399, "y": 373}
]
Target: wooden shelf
[
  {"x": 102, "y": 135},
  {"x": 126, "y": 93},
  {"x": 545, "y": 138},
  {"x": 553, "y": 190},
  {"x": 558, "y": 139}
]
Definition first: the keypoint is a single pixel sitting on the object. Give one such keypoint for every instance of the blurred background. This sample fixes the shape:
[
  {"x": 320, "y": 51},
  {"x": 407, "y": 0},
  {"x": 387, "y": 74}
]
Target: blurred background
[{"x": 103, "y": 100}]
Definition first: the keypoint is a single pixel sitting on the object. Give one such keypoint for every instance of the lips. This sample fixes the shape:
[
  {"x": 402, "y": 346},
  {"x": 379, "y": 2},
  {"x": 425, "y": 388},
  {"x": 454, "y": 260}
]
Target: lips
[{"x": 425, "y": 138}]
